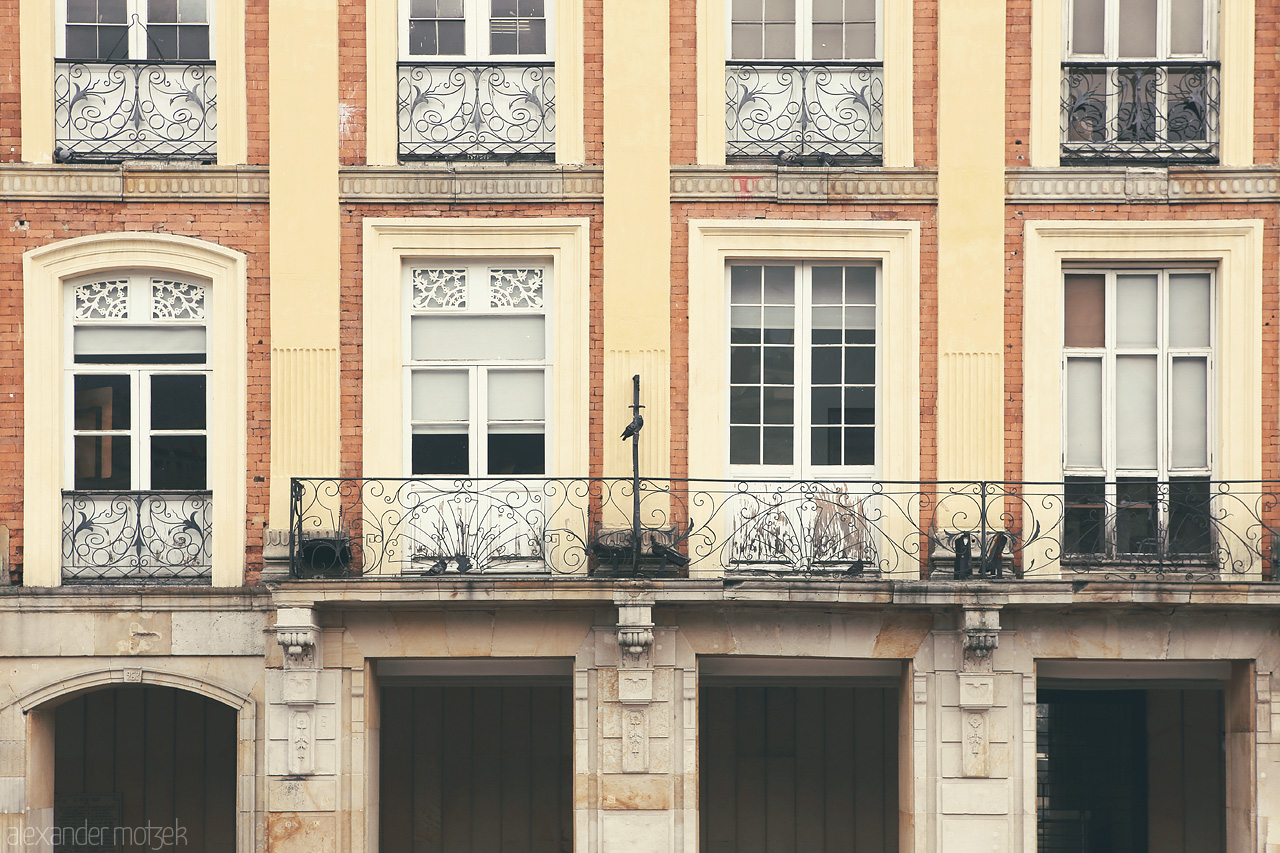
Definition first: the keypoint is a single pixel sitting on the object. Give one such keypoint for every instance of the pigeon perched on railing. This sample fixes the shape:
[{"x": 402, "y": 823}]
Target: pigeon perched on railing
[{"x": 633, "y": 427}]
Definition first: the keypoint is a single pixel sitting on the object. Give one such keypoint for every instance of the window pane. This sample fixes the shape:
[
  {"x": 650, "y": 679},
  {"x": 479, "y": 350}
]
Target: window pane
[
  {"x": 453, "y": 41},
  {"x": 859, "y": 10},
  {"x": 1137, "y": 516},
  {"x": 1187, "y": 24},
  {"x": 529, "y": 8},
  {"x": 178, "y": 401},
  {"x": 422, "y": 8},
  {"x": 1189, "y": 413},
  {"x": 532, "y": 38},
  {"x": 1136, "y": 411},
  {"x": 779, "y": 405},
  {"x": 1190, "y": 511},
  {"x": 422, "y": 38},
  {"x": 744, "y": 405},
  {"x": 828, "y": 11},
  {"x": 779, "y": 41},
  {"x": 113, "y": 12},
  {"x": 516, "y": 395},
  {"x": 825, "y": 406},
  {"x": 101, "y": 402},
  {"x": 1084, "y": 412},
  {"x": 445, "y": 338},
  {"x": 826, "y": 365},
  {"x": 859, "y": 446},
  {"x": 162, "y": 11},
  {"x": 748, "y": 10},
  {"x": 744, "y": 364},
  {"x": 860, "y": 365},
  {"x": 441, "y": 453},
  {"x": 82, "y": 43},
  {"x": 517, "y": 453},
  {"x": 143, "y": 344},
  {"x": 448, "y": 8},
  {"x": 1189, "y": 310},
  {"x": 860, "y": 283},
  {"x": 192, "y": 11},
  {"x": 745, "y": 284},
  {"x": 779, "y": 10},
  {"x": 828, "y": 41},
  {"x": 747, "y": 42},
  {"x": 779, "y": 285},
  {"x": 1083, "y": 524},
  {"x": 162, "y": 42},
  {"x": 113, "y": 43},
  {"x": 179, "y": 462},
  {"x": 502, "y": 8},
  {"x": 1088, "y": 18},
  {"x": 748, "y": 317},
  {"x": 825, "y": 446},
  {"x": 779, "y": 446},
  {"x": 1136, "y": 312},
  {"x": 859, "y": 41},
  {"x": 102, "y": 462},
  {"x": 828, "y": 285},
  {"x": 82, "y": 12},
  {"x": 193, "y": 42},
  {"x": 779, "y": 365},
  {"x": 1138, "y": 29},
  {"x": 1084, "y": 312},
  {"x": 440, "y": 395},
  {"x": 744, "y": 446},
  {"x": 860, "y": 406},
  {"x": 502, "y": 40}
]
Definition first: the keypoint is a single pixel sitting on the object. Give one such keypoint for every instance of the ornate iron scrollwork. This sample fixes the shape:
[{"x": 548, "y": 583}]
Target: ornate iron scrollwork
[
  {"x": 126, "y": 110},
  {"x": 805, "y": 112},
  {"x": 496, "y": 111},
  {"x": 131, "y": 536}
]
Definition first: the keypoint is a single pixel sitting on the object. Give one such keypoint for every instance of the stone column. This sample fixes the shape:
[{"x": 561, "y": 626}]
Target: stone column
[
  {"x": 637, "y": 735},
  {"x": 302, "y": 747}
]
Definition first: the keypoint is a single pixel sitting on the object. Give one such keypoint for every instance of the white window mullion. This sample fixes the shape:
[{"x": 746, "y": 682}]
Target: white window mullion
[
  {"x": 140, "y": 475},
  {"x": 477, "y": 14},
  {"x": 480, "y": 420}
]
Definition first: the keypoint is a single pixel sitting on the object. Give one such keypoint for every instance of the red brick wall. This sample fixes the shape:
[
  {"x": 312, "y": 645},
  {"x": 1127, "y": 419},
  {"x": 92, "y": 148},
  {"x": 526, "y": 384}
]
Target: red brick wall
[
  {"x": 1017, "y": 71},
  {"x": 256, "y": 80},
  {"x": 593, "y": 80},
  {"x": 680, "y": 284},
  {"x": 237, "y": 226},
  {"x": 924, "y": 58},
  {"x": 684, "y": 82},
  {"x": 352, "y": 335},
  {"x": 1266, "y": 84},
  {"x": 352, "y": 73},
  {"x": 1018, "y": 214},
  {"x": 10, "y": 100}
]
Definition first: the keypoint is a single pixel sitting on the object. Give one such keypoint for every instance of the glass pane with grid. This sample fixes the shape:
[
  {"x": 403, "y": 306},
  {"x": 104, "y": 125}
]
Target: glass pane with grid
[
  {"x": 843, "y": 359},
  {"x": 437, "y": 28},
  {"x": 517, "y": 27},
  {"x": 762, "y": 359}
]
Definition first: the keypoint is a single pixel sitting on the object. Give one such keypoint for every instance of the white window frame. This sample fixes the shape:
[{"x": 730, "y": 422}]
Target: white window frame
[
  {"x": 137, "y": 32},
  {"x": 140, "y": 430},
  {"x": 801, "y": 466},
  {"x": 1111, "y": 35},
  {"x": 478, "y": 370},
  {"x": 804, "y": 37},
  {"x": 476, "y": 13},
  {"x": 1165, "y": 355}
]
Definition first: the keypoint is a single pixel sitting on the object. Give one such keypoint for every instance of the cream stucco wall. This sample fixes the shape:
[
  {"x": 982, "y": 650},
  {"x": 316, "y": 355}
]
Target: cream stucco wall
[{"x": 45, "y": 423}]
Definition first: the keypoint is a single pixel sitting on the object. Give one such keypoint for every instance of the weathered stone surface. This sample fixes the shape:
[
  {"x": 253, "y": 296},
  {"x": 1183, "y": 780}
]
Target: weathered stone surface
[
  {"x": 132, "y": 633},
  {"x": 301, "y": 832},
  {"x": 218, "y": 633},
  {"x": 302, "y": 795},
  {"x": 633, "y": 791}
]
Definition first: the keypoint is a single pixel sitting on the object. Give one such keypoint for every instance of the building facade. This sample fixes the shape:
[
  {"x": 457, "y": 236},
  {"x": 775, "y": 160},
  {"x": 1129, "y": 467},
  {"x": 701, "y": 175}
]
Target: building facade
[{"x": 940, "y": 335}]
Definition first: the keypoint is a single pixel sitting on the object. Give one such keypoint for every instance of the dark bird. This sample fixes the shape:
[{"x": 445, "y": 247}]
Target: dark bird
[{"x": 634, "y": 427}]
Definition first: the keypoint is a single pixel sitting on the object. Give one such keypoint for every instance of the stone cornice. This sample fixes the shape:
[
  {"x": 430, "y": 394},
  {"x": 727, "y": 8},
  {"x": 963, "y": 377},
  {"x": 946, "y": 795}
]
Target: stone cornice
[
  {"x": 802, "y": 186},
  {"x": 470, "y": 182},
  {"x": 1142, "y": 185},
  {"x": 134, "y": 182}
]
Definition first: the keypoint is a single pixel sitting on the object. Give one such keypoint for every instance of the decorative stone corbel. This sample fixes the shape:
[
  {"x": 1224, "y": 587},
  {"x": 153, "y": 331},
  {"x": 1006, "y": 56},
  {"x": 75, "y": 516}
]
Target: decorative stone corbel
[
  {"x": 981, "y": 637},
  {"x": 299, "y": 636},
  {"x": 635, "y": 631},
  {"x": 635, "y": 675}
]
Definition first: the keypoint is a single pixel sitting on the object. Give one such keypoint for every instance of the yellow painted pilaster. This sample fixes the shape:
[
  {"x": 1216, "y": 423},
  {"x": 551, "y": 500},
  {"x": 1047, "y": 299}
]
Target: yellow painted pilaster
[
  {"x": 970, "y": 238},
  {"x": 305, "y": 235},
  {"x": 637, "y": 229}
]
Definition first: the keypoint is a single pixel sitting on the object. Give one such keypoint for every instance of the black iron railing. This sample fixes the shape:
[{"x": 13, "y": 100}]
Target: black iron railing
[
  {"x": 829, "y": 113},
  {"x": 426, "y": 527},
  {"x": 496, "y": 111},
  {"x": 1140, "y": 112},
  {"x": 108, "y": 111},
  {"x": 134, "y": 536}
]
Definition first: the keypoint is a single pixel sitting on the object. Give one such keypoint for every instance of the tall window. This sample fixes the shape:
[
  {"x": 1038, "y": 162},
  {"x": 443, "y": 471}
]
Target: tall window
[
  {"x": 1138, "y": 364},
  {"x": 1140, "y": 80},
  {"x": 802, "y": 367},
  {"x": 117, "y": 30},
  {"x": 478, "y": 367},
  {"x": 804, "y": 80}
]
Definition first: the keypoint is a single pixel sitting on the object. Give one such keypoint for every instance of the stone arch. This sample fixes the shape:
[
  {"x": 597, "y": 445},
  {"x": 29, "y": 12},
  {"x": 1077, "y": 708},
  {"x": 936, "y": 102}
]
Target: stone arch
[
  {"x": 33, "y": 712},
  {"x": 44, "y": 270}
]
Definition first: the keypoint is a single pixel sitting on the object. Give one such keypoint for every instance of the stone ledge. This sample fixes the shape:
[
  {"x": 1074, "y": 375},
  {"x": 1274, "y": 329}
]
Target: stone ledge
[
  {"x": 1139, "y": 185},
  {"x": 134, "y": 182},
  {"x": 802, "y": 186},
  {"x": 470, "y": 182}
]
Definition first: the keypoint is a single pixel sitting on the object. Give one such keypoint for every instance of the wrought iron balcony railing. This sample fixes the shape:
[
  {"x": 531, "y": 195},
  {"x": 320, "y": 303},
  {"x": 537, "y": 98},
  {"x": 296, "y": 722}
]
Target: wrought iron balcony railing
[
  {"x": 829, "y": 113},
  {"x": 136, "y": 536},
  {"x": 496, "y": 111},
  {"x": 1140, "y": 112},
  {"x": 374, "y": 528},
  {"x": 110, "y": 111}
]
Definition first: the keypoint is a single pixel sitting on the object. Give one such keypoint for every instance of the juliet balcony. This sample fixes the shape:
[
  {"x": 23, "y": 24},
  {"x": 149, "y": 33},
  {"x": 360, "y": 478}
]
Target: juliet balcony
[
  {"x": 493, "y": 111},
  {"x": 136, "y": 537},
  {"x": 113, "y": 111},
  {"x": 798, "y": 113},
  {"x": 822, "y": 530},
  {"x": 1140, "y": 112}
]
